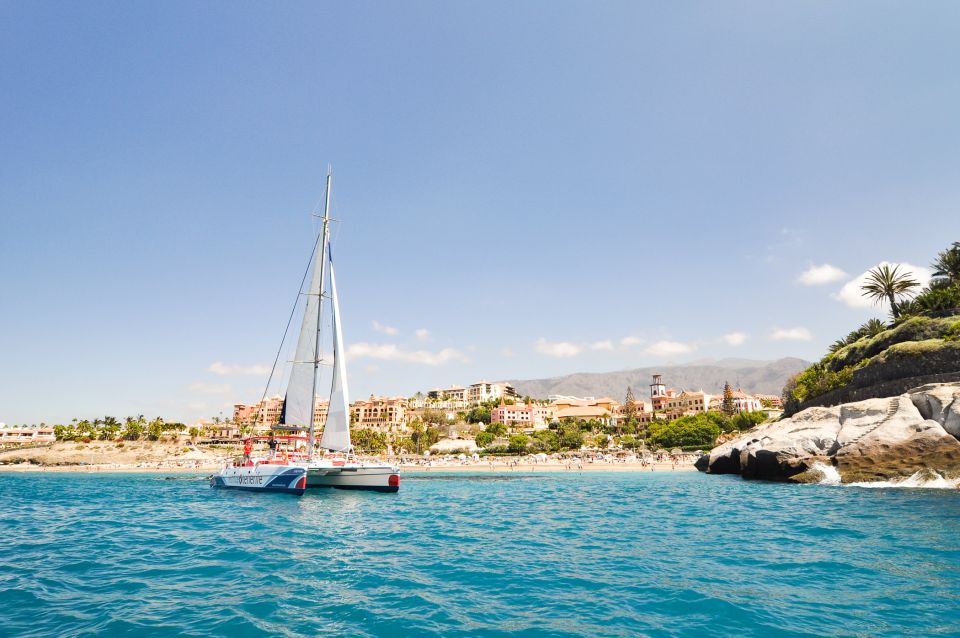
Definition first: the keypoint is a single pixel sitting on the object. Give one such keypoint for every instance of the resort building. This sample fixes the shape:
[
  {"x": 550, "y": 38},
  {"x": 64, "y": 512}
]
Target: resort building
[
  {"x": 486, "y": 391},
  {"x": 744, "y": 402},
  {"x": 266, "y": 413},
  {"x": 453, "y": 398},
  {"x": 527, "y": 416},
  {"x": 585, "y": 409},
  {"x": 15, "y": 436},
  {"x": 687, "y": 403},
  {"x": 458, "y": 397},
  {"x": 659, "y": 394},
  {"x": 772, "y": 400},
  {"x": 385, "y": 414},
  {"x": 453, "y": 393}
]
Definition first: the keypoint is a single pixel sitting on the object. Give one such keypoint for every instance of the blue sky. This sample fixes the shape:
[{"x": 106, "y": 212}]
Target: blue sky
[{"x": 538, "y": 188}]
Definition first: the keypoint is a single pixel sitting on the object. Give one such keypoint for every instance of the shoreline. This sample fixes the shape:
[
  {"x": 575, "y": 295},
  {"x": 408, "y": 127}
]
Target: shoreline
[{"x": 472, "y": 468}]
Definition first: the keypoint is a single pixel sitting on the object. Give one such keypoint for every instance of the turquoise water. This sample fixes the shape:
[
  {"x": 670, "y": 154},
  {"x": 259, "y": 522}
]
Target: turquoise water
[{"x": 647, "y": 554}]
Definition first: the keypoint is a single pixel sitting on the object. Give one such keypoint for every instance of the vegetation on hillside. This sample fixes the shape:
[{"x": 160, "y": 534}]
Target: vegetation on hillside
[
  {"x": 688, "y": 432},
  {"x": 109, "y": 428},
  {"x": 922, "y": 321}
]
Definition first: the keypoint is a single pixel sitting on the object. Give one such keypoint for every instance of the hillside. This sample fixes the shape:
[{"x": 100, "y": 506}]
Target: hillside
[{"x": 764, "y": 377}]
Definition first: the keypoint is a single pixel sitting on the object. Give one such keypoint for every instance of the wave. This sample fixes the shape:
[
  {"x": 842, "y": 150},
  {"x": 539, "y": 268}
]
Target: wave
[
  {"x": 830, "y": 474},
  {"x": 927, "y": 479}
]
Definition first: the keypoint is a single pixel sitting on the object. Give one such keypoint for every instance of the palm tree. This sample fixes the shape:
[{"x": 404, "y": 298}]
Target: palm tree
[
  {"x": 946, "y": 269},
  {"x": 888, "y": 283}
]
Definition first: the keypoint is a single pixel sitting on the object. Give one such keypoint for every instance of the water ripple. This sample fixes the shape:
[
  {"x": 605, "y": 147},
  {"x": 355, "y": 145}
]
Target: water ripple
[{"x": 615, "y": 555}]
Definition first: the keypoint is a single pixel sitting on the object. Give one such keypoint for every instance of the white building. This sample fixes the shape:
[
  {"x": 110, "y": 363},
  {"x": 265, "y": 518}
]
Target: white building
[{"x": 486, "y": 391}]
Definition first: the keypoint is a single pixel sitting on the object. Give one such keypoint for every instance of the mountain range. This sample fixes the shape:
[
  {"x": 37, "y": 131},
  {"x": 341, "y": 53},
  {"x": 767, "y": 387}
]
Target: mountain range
[{"x": 753, "y": 377}]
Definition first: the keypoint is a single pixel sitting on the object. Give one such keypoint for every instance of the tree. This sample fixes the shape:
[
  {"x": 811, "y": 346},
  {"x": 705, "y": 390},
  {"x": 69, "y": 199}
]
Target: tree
[
  {"x": 689, "y": 431},
  {"x": 885, "y": 283},
  {"x": 630, "y": 405},
  {"x": 728, "y": 406},
  {"x": 155, "y": 429},
  {"x": 601, "y": 441},
  {"x": 369, "y": 440},
  {"x": 110, "y": 429},
  {"x": 747, "y": 420},
  {"x": 438, "y": 417},
  {"x": 946, "y": 268},
  {"x": 571, "y": 437},
  {"x": 485, "y": 438},
  {"x": 497, "y": 429},
  {"x": 545, "y": 441},
  {"x": 430, "y": 437},
  {"x": 479, "y": 414},
  {"x": 133, "y": 428},
  {"x": 518, "y": 443}
]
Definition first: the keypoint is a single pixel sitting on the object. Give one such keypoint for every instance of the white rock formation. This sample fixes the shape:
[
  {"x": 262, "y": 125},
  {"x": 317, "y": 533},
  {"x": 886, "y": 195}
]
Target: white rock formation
[{"x": 867, "y": 440}]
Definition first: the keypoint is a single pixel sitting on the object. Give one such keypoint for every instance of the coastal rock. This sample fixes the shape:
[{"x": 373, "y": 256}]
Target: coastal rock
[{"x": 874, "y": 439}]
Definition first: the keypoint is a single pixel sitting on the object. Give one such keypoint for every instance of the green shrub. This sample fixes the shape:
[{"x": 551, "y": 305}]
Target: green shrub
[
  {"x": 953, "y": 333},
  {"x": 700, "y": 430},
  {"x": 485, "y": 438},
  {"x": 912, "y": 329}
]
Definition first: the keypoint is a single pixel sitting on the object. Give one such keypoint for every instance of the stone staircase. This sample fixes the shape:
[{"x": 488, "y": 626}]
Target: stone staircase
[{"x": 892, "y": 409}]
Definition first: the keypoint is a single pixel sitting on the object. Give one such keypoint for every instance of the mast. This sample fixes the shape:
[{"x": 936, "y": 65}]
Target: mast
[{"x": 324, "y": 237}]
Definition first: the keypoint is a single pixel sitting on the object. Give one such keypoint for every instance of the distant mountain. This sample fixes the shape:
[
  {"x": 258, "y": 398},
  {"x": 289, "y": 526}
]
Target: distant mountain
[{"x": 762, "y": 377}]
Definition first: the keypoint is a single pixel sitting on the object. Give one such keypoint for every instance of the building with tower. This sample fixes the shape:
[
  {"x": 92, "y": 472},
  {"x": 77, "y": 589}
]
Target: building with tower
[{"x": 659, "y": 394}]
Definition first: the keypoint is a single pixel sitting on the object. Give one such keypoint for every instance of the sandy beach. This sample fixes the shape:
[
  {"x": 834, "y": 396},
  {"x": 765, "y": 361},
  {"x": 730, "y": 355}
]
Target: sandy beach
[{"x": 167, "y": 458}]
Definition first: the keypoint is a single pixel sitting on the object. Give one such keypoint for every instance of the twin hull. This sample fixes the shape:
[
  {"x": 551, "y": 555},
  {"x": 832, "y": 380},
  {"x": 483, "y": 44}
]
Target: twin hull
[
  {"x": 380, "y": 478},
  {"x": 294, "y": 479},
  {"x": 291, "y": 479}
]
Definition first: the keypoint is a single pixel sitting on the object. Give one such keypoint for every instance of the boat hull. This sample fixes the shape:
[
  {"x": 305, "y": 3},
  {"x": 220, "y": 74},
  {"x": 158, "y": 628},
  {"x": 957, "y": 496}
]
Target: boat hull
[
  {"x": 377, "y": 478},
  {"x": 262, "y": 478}
]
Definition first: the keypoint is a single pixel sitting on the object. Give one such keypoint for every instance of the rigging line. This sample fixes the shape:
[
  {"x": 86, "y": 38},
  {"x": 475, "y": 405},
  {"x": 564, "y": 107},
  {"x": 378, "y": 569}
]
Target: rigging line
[{"x": 286, "y": 330}]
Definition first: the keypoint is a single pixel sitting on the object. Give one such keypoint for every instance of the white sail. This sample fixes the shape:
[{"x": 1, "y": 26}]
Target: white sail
[
  {"x": 299, "y": 398},
  {"x": 336, "y": 432}
]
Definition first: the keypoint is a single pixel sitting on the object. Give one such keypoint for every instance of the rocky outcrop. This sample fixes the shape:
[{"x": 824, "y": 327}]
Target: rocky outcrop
[{"x": 874, "y": 439}]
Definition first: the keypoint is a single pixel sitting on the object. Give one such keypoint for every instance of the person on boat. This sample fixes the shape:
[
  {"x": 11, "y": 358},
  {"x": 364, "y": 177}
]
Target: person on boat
[{"x": 247, "y": 450}]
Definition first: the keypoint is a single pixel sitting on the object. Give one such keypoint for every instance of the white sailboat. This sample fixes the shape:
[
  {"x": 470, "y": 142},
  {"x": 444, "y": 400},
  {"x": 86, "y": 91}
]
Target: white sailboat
[{"x": 333, "y": 464}]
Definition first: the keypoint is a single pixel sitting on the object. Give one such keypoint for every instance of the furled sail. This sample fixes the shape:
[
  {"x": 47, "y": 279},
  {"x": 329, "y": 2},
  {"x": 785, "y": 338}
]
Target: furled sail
[
  {"x": 336, "y": 432},
  {"x": 296, "y": 408}
]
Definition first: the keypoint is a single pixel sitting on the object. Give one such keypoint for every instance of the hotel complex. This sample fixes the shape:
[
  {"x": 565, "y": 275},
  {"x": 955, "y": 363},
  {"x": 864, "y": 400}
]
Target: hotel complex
[{"x": 394, "y": 414}]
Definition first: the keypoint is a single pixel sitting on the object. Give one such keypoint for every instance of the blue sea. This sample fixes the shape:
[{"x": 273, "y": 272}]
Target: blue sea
[{"x": 642, "y": 554}]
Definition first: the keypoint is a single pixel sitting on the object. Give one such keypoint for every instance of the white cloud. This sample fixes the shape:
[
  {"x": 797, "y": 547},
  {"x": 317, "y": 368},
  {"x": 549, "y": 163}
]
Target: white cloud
[
  {"x": 602, "y": 345},
  {"x": 387, "y": 330},
  {"x": 392, "y": 352},
  {"x": 559, "y": 349},
  {"x": 225, "y": 370},
  {"x": 735, "y": 338},
  {"x": 211, "y": 388},
  {"x": 423, "y": 334},
  {"x": 791, "y": 334},
  {"x": 852, "y": 295},
  {"x": 507, "y": 352},
  {"x": 372, "y": 369},
  {"x": 631, "y": 341},
  {"x": 669, "y": 348},
  {"x": 820, "y": 275}
]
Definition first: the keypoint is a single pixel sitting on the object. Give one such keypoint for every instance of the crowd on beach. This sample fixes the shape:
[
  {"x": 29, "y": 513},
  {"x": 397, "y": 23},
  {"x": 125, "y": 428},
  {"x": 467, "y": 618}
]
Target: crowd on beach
[{"x": 567, "y": 462}]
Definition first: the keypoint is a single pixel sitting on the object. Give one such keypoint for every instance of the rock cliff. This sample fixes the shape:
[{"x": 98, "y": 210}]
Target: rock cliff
[{"x": 870, "y": 440}]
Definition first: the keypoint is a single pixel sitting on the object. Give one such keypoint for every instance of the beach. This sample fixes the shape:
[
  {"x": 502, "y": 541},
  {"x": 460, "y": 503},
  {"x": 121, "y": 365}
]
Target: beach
[{"x": 147, "y": 456}]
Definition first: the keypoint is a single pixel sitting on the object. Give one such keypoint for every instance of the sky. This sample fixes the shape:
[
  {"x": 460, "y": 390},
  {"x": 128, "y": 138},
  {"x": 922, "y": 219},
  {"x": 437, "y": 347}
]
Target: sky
[{"x": 523, "y": 189}]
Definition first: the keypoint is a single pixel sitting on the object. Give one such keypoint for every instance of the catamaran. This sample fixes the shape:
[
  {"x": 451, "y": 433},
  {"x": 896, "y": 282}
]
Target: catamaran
[{"x": 333, "y": 463}]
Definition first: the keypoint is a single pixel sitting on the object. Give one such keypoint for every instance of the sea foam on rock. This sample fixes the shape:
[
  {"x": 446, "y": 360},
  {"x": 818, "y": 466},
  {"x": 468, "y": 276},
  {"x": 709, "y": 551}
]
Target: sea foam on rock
[{"x": 871, "y": 440}]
